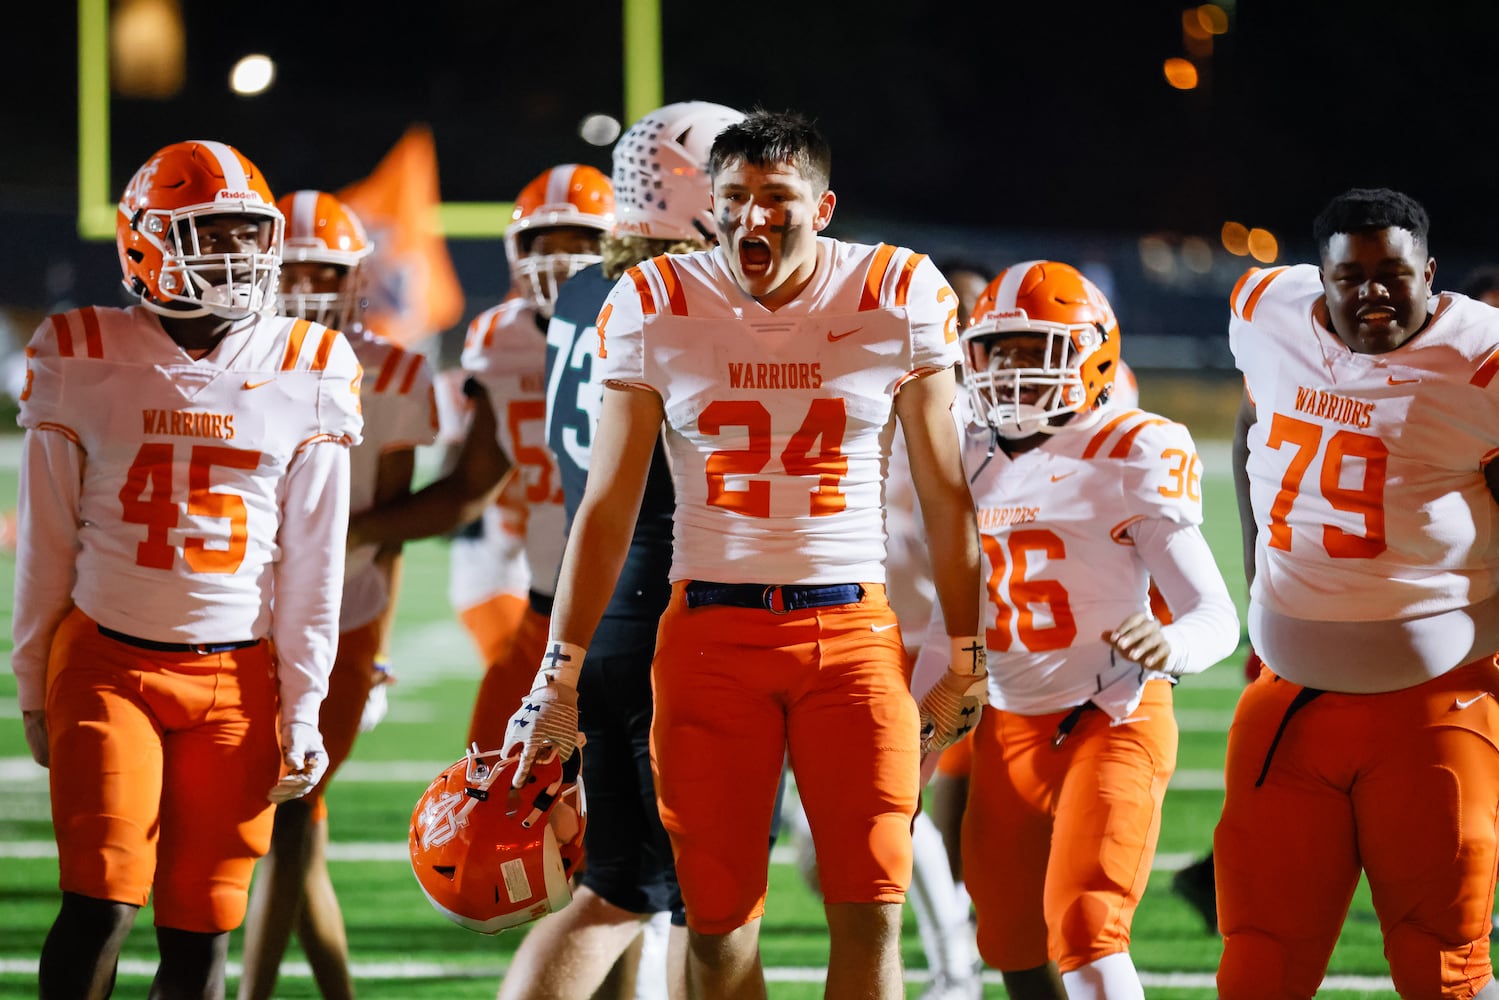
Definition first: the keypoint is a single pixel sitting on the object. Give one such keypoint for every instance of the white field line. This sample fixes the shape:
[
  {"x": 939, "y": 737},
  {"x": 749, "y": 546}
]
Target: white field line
[{"x": 132, "y": 968}]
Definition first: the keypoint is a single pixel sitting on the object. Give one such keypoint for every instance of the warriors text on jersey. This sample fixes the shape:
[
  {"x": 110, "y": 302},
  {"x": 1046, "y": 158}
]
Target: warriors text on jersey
[
  {"x": 779, "y": 423},
  {"x": 178, "y": 528}
]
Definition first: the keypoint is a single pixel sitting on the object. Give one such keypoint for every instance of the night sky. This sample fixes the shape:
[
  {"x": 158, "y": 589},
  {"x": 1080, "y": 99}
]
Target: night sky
[{"x": 995, "y": 115}]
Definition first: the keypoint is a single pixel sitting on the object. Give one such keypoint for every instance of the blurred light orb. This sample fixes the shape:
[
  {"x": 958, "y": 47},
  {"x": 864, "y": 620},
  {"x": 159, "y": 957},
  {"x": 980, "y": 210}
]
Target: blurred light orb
[
  {"x": 1236, "y": 238},
  {"x": 252, "y": 75},
  {"x": 1197, "y": 255},
  {"x": 599, "y": 129},
  {"x": 1180, "y": 73},
  {"x": 1263, "y": 246}
]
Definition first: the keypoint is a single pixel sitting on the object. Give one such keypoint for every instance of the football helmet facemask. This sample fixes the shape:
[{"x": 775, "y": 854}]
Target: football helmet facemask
[
  {"x": 661, "y": 181},
  {"x": 567, "y": 195},
  {"x": 489, "y": 857},
  {"x": 1043, "y": 343},
  {"x": 164, "y": 257},
  {"x": 320, "y": 229}
]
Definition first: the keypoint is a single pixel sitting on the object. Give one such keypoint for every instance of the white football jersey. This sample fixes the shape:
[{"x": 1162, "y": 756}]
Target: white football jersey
[
  {"x": 505, "y": 351},
  {"x": 1366, "y": 469},
  {"x": 779, "y": 423},
  {"x": 180, "y": 516},
  {"x": 400, "y": 412},
  {"x": 1062, "y": 570}
]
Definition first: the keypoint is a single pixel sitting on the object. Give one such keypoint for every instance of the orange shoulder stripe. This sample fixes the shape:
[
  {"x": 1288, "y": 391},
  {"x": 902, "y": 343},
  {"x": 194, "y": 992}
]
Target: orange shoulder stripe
[
  {"x": 1233, "y": 296},
  {"x": 1259, "y": 290},
  {"x": 413, "y": 366},
  {"x": 676, "y": 298},
  {"x": 1487, "y": 370},
  {"x": 93, "y": 343},
  {"x": 388, "y": 370},
  {"x": 1122, "y": 448},
  {"x": 643, "y": 289},
  {"x": 294, "y": 344},
  {"x": 324, "y": 349},
  {"x": 903, "y": 284},
  {"x": 874, "y": 279},
  {"x": 64, "y": 335},
  {"x": 1103, "y": 432}
]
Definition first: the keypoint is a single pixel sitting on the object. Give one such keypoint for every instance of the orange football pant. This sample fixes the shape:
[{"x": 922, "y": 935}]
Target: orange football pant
[
  {"x": 160, "y": 767},
  {"x": 507, "y": 680},
  {"x": 338, "y": 718},
  {"x": 735, "y": 688},
  {"x": 1058, "y": 841},
  {"x": 1404, "y": 785},
  {"x": 492, "y": 625}
]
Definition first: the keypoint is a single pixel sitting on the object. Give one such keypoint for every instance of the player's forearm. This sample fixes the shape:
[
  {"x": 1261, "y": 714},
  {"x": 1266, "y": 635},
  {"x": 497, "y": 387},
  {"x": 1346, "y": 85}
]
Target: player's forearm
[
  {"x": 1247, "y": 528},
  {"x": 440, "y": 507},
  {"x": 46, "y": 556},
  {"x": 309, "y": 578},
  {"x": 1205, "y": 626}
]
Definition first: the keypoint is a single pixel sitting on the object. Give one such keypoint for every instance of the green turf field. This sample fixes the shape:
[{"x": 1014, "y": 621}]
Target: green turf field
[{"x": 403, "y": 949}]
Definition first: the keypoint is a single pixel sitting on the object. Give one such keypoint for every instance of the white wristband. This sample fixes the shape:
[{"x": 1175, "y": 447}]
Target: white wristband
[
  {"x": 967, "y": 655},
  {"x": 560, "y": 664}
]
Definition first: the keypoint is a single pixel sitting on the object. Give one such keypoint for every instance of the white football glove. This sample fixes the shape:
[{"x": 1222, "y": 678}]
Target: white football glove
[
  {"x": 376, "y": 703},
  {"x": 547, "y": 720},
  {"x": 952, "y": 707},
  {"x": 302, "y": 758},
  {"x": 1120, "y": 688}
]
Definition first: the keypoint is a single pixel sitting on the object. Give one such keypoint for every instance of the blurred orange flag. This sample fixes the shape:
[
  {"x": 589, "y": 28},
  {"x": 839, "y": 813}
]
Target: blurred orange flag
[{"x": 412, "y": 288}]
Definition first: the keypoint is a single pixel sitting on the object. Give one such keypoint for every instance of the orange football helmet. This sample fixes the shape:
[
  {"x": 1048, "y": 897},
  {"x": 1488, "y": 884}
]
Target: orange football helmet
[
  {"x": 320, "y": 229},
  {"x": 570, "y": 195},
  {"x": 156, "y": 233},
  {"x": 490, "y": 857},
  {"x": 1069, "y": 363},
  {"x": 660, "y": 175}
]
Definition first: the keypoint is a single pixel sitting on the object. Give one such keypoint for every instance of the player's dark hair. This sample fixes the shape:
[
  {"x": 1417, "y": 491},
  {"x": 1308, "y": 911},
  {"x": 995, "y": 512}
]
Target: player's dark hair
[
  {"x": 1362, "y": 210},
  {"x": 765, "y": 138}
]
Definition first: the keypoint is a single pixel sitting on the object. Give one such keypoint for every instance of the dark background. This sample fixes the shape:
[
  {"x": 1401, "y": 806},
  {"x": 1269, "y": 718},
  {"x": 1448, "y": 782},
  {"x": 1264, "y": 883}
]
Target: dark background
[{"x": 987, "y": 130}]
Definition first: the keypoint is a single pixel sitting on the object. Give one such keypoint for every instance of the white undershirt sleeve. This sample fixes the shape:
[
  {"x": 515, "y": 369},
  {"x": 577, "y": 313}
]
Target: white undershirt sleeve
[
  {"x": 308, "y": 585},
  {"x": 1204, "y": 625},
  {"x": 46, "y": 555}
]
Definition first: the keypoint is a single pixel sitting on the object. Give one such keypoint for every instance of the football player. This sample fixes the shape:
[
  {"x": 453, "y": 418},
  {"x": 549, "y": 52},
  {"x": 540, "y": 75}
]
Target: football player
[
  {"x": 184, "y": 459},
  {"x": 1367, "y": 487},
  {"x": 1081, "y": 506},
  {"x": 559, "y": 217},
  {"x": 321, "y": 280},
  {"x": 776, "y": 362},
  {"x": 661, "y": 189}
]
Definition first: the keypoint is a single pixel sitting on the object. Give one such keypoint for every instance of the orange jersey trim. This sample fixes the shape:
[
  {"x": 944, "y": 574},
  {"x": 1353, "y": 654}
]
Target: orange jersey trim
[
  {"x": 324, "y": 349},
  {"x": 62, "y": 429},
  {"x": 1247, "y": 315},
  {"x": 1098, "y": 439},
  {"x": 874, "y": 279},
  {"x": 1122, "y": 448},
  {"x": 643, "y": 289},
  {"x": 294, "y": 344},
  {"x": 676, "y": 298},
  {"x": 1117, "y": 532},
  {"x": 903, "y": 283},
  {"x": 93, "y": 342},
  {"x": 413, "y": 368},
  {"x": 1486, "y": 371},
  {"x": 388, "y": 370},
  {"x": 599, "y": 325}
]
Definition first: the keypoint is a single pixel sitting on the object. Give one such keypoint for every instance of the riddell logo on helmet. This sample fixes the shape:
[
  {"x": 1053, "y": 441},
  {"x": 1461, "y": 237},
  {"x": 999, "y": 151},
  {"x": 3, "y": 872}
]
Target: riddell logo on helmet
[
  {"x": 237, "y": 196},
  {"x": 1010, "y": 314},
  {"x": 632, "y": 228}
]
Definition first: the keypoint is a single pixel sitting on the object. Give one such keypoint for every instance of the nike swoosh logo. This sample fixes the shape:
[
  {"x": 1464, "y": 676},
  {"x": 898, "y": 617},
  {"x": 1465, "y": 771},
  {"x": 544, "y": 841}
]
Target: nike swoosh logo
[
  {"x": 883, "y": 628},
  {"x": 256, "y": 385},
  {"x": 846, "y": 333},
  {"x": 1470, "y": 702},
  {"x": 1064, "y": 475},
  {"x": 1402, "y": 381}
]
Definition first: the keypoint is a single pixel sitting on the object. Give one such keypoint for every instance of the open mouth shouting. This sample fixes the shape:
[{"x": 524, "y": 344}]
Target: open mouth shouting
[{"x": 755, "y": 258}]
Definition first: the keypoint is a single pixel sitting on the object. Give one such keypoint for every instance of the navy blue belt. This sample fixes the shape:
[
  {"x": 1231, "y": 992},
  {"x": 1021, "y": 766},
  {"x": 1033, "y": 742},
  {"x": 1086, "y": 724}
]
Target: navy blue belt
[
  {"x": 779, "y": 598},
  {"x": 201, "y": 648}
]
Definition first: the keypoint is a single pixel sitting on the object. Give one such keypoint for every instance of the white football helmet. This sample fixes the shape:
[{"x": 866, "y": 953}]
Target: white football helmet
[
  {"x": 490, "y": 857},
  {"x": 661, "y": 185}
]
